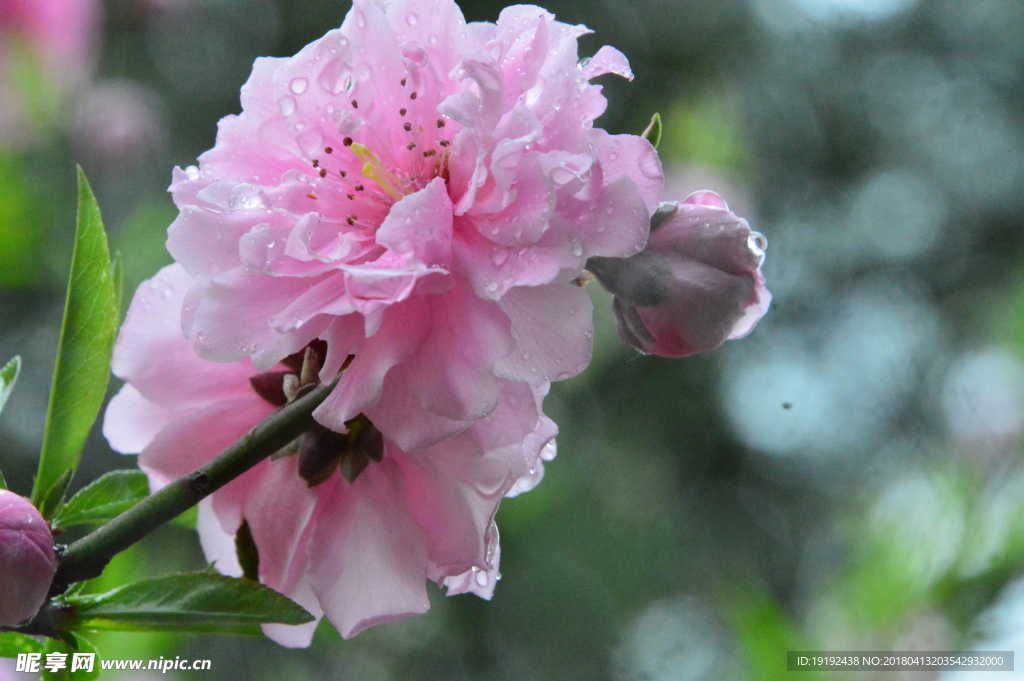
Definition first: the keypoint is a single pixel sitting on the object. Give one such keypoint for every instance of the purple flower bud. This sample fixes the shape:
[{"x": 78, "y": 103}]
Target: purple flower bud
[
  {"x": 27, "y": 560},
  {"x": 697, "y": 283}
]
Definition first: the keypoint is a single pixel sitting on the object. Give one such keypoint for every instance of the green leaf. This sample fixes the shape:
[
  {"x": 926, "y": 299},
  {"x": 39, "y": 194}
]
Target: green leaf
[
  {"x": 652, "y": 132},
  {"x": 196, "y": 602},
  {"x": 8, "y": 377},
  {"x": 13, "y": 643},
  {"x": 87, "y": 339},
  {"x": 80, "y": 645},
  {"x": 103, "y": 499},
  {"x": 54, "y": 496}
]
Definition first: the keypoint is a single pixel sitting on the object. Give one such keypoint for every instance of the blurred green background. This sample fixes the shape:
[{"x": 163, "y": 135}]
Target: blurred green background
[{"x": 847, "y": 478}]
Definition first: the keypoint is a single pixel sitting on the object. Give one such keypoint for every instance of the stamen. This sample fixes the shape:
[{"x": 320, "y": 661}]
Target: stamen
[
  {"x": 412, "y": 96},
  {"x": 429, "y": 152},
  {"x": 347, "y": 141},
  {"x": 444, "y": 143},
  {"x": 311, "y": 195},
  {"x": 376, "y": 171},
  {"x": 359, "y": 187},
  {"x": 402, "y": 111},
  {"x": 316, "y": 163},
  {"x": 403, "y": 82},
  {"x": 343, "y": 173},
  {"x": 351, "y": 197},
  {"x": 355, "y": 104},
  {"x": 323, "y": 173},
  {"x": 351, "y": 219},
  {"x": 440, "y": 123},
  {"x": 410, "y": 146},
  {"x": 328, "y": 150},
  {"x": 408, "y": 127}
]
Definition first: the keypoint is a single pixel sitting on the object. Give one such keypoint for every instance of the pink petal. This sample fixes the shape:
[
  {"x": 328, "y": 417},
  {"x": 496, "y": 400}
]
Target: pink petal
[
  {"x": 368, "y": 558},
  {"x": 607, "y": 60},
  {"x": 554, "y": 329},
  {"x": 131, "y": 421},
  {"x": 421, "y": 225}
]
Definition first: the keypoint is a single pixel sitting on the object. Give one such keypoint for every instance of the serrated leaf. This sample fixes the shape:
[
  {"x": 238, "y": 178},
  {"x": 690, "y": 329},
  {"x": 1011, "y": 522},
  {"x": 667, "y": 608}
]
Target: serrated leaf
[
  {"x": 103, "y": 499},
  {"x": 77, "y": 644},
  {"x": 12, "y": 644},
  {"x": 87, "y": 336},
  {"x": 652, "y": 133},
  {"x": 196, "y": 602}
]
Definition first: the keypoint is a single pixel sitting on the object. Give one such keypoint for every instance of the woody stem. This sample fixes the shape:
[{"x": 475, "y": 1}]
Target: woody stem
[{"x": 86, "y": 558}]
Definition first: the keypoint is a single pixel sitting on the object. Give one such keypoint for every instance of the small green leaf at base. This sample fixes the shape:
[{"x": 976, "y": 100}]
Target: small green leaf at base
[
  {"x": 195, "y": 602},
  {"x": 12, "y": 644},
  {"x": 87, "y": 336},
  {"x": 103, "y": 499},
  {"x": 653, "y": 131},
  {"x": 75, "y": 644}
]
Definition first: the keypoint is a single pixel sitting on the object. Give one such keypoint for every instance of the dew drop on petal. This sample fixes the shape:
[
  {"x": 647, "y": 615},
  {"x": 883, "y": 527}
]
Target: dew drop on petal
[
  {"x": 499, "y": 255},
  {"x": 298, "y": 85},
  {"x": 287, "y": 105},
  {"x": 412, "y": 19},
  {"x": 481, "y": 578}
]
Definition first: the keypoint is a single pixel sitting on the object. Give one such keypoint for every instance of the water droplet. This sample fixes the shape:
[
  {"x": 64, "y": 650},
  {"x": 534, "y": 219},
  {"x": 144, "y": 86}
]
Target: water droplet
[
  {"x": 549, "y": 450},
  {"x": 590, "y": 334},
  {"x": 534, "y": 370},
  {"x": 475, "y": 569},
  {"x": 360, "y": 19},
  {"x": 612, "y": 156},
  {"x": 287, "y": 105},
  {"x": 412, "y": 19},
  {"x": 499, "y": 255},
  {"x": 200, "y": 336},
  {"x": 526, "y": 355},
  {"x": 481, "y": 578},
  {"x": 298, "y": 85},
  {"x": 497, "y": 576},
  {"x": 432, "y": 39},
  {"x": 492, "y": 287},
  {"x": 577, "y": 250}
]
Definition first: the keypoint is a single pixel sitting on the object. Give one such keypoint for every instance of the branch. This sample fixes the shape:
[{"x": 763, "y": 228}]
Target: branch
[{"x": 87, "y": 557}]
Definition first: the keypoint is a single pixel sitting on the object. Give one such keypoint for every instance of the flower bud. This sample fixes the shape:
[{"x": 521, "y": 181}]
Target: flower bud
[
  {"x": 697, "y": 283},
  {"x": 27, "y": 560}
]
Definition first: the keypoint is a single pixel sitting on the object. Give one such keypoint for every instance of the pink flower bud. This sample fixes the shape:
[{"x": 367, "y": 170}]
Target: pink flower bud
[
  {"x": 27, "y": 560},
  {"x": 697, "y": 283}
]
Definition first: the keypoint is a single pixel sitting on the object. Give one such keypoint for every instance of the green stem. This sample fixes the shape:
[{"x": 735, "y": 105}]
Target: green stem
[{"x": 87, "y": 557}]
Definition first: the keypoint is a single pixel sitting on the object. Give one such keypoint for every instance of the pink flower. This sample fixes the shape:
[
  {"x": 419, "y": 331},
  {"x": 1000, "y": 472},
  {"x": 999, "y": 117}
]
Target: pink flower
[
  {"x": 697, "y": 284},
  {"x": 420, "y": 194},
  {"x": 358, "y": 551},
  {"x": 27, "y": 561}
]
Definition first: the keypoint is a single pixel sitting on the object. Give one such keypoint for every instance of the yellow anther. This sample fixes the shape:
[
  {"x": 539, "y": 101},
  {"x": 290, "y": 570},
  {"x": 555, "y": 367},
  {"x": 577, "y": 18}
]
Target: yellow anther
[
  {"x": 376, "y": 171},
  {"x": 383, "y": 179}
]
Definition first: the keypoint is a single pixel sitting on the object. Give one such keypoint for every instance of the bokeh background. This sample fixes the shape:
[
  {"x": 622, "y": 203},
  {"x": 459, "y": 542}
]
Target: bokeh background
[{"x": 849, "y": 477}]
